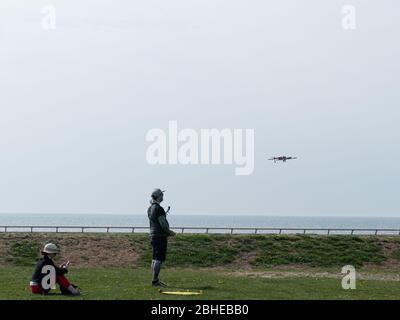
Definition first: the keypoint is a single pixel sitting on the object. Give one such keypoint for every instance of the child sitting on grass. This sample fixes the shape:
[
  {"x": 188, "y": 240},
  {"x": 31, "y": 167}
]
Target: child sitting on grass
[{"x": 49, "y": 252}]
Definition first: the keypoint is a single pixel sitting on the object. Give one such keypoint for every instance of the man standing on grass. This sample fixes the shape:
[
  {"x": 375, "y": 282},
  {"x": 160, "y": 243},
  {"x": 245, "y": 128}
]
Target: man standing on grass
[{"x": 159, "y": 233}]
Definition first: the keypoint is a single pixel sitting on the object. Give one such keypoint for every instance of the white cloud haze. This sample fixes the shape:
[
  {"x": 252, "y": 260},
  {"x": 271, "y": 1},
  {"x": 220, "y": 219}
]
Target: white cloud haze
[{"x": 76, "y": 103}]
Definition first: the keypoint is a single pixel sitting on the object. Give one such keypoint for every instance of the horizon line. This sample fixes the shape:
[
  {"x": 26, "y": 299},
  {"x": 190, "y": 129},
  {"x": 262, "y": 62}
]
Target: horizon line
[{"x": 207, "y": 214}]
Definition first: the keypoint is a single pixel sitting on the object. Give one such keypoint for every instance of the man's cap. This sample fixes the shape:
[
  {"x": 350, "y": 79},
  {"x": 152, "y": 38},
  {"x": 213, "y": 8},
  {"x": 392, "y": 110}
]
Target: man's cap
[
  {"x": 50, "y": 248},
  {"x": 156, "y": 193}
]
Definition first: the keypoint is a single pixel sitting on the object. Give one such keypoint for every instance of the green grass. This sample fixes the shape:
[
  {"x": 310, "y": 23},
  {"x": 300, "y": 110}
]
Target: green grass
[
  {"x": 23, "y": 253},
  {"x": 320, "y": 251},
  {"x": 124, "y": 283},
  {"x": 192, "y": 250},
  {"x": 221, "y": 250},
  {"x": 266, "y": 251},
  {"x": 397, "y": 255}
]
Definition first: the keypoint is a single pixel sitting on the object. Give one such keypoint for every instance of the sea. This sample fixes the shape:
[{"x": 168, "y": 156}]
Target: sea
[{"x": 198, "y": 221}]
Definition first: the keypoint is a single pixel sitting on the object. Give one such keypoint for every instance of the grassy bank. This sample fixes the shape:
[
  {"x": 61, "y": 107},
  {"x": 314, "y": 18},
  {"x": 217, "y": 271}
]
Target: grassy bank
[{"x": 235, "y": 251}]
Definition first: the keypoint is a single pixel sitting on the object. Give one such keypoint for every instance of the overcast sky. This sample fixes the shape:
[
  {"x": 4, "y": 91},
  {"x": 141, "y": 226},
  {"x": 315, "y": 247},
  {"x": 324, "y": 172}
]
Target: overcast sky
[{"x": 76, "y": 104}]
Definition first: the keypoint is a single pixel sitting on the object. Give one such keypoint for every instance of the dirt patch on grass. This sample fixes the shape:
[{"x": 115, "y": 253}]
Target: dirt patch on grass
[
  {"x": 100, "y": 252},
  {"x": 244, "y": 260},
  {"x": 390, "y": 250},
  {"x": 363, "y": 275},
  {"x": 81, "y": 250}
]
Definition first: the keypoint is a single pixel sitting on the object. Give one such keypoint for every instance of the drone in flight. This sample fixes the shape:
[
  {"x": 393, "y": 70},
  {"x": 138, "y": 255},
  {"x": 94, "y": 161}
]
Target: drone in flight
[{"x": 282, "y": 158}]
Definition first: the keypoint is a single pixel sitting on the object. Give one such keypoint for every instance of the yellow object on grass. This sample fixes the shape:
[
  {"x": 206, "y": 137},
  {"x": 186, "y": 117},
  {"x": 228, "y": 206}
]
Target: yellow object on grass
[{"x": 182, "y": 293}]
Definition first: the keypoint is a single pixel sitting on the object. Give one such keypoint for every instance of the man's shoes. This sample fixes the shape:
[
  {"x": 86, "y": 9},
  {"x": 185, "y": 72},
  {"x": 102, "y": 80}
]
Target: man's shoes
[{"x": 158, "y": 283}]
